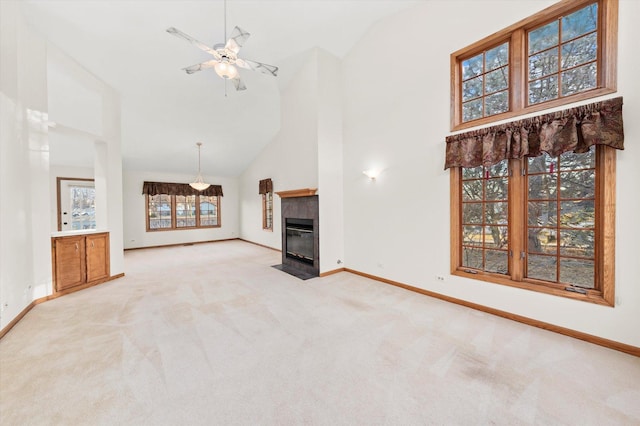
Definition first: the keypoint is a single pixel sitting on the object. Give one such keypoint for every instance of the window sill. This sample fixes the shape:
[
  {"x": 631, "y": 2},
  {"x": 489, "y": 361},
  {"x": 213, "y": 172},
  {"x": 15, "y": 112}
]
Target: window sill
[{"x": 592, "y": 296}]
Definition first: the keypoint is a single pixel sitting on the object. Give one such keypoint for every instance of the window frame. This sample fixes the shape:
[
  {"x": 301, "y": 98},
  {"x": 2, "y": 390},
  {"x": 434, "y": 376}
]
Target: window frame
[
  {"x": 174, "y": 218},
  {"x": 516, "y": 35},
  {"x": 604, "y": 280},
  {"x": 267, "y": 207}
]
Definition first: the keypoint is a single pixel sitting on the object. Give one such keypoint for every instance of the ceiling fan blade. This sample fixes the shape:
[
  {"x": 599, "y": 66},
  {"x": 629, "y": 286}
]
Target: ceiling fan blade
[
  {"x": 237, "y": 39},
  {"x": 199, "y": 67},
  {"x": 257, "y": 66},
  {"x": 176, "y": 32},
  {"x": 238, "y": 83}
]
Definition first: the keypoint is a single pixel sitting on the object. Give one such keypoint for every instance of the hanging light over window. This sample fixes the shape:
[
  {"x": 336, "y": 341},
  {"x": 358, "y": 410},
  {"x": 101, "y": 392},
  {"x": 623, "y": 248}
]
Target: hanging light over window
[{"x": 199, "y": 184}]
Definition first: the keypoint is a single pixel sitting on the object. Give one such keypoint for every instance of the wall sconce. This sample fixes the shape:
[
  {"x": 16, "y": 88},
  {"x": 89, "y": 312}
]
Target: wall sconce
[{"x": 372, "y": 174}]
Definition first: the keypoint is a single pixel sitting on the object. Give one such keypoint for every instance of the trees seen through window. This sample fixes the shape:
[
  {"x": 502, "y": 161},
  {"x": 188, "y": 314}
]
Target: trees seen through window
[{"x": 165, "y": 212}]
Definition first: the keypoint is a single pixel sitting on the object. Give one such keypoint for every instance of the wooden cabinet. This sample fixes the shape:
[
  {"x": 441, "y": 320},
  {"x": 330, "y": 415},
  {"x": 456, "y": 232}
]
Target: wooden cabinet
[
  {"x": 70, "y": 265},
  {"x": 97, "y": 252},
  {"x": 79, "y": 260}
]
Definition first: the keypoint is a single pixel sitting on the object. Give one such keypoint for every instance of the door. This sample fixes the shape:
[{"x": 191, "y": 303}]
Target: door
[
  {"x": 76, "y": 204},
  {"x": 97, "y": 256},
  {"x": 70, "y": 262}
]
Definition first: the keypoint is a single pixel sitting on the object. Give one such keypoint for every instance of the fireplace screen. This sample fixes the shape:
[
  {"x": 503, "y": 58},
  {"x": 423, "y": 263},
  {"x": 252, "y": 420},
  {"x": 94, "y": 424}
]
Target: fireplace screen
[{"x": 300, "y": 239}]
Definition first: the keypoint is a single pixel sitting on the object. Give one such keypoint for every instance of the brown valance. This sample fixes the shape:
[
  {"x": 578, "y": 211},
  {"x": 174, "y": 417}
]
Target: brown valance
[
  {"x": 265, "y": 186},
  {"x": 156, "y": 188},
  {"x": 575, "y": 129}
]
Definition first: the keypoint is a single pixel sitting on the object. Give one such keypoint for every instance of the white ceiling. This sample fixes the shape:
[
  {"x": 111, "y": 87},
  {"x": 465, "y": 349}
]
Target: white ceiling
[{"x": 164, "y": 110}]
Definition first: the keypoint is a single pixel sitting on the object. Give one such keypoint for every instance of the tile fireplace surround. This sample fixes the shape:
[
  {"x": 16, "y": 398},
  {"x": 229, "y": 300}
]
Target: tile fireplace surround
[{"x": 300, "y": 204}]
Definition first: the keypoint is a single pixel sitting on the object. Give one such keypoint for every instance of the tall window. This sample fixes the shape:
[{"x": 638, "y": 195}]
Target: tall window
[
  {"x": 186, "y": 211},
  {"x": 178, "y": 206},
  {"x": 159, "y": 212},
  {"x": 485, "y": 83},
  {"x": 485, "y": 217},
  {"x": 562, "y": 54},
  {"x": 561, "y": 218},
  {"x": 267, "y": 211},
  {"x": 209, "y": 210},
  {"x": 533, "y": 202},
  {"x": 265, "y": 189}
]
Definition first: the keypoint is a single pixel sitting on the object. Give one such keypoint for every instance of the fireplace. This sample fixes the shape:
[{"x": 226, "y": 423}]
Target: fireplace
[
  {"x": 300, "y": 235},
  {"x": 299, "y": 240}
]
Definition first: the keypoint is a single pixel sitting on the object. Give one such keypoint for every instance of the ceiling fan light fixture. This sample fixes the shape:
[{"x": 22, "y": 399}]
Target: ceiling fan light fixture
[
  {"x": 199, "y": 184},
  {"x": 225, "y": 60},
  {"x": 226, "y": 70}
]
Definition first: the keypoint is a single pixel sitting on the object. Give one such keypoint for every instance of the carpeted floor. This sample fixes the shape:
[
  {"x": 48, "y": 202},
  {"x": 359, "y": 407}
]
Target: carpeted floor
[{"x": 211, "y": 334}]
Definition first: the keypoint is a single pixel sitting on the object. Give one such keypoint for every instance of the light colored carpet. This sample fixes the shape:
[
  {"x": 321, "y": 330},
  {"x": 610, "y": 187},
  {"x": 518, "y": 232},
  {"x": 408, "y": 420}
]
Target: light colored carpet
[{"x": 211, "y": 334}]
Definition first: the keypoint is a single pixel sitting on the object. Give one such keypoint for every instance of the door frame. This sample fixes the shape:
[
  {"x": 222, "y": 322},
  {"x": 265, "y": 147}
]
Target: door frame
[{"x": 58, "y": 196}]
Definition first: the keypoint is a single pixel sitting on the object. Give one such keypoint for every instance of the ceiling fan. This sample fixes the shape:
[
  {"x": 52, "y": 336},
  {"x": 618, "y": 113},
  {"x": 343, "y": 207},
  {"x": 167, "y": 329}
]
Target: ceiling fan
[{"x": 225, "y": 56}]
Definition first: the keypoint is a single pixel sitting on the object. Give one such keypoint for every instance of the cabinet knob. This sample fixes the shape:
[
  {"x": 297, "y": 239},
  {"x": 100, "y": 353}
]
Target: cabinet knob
[
  {"x": 77, "y": 248},
  {"x": 92, "y": 246}
]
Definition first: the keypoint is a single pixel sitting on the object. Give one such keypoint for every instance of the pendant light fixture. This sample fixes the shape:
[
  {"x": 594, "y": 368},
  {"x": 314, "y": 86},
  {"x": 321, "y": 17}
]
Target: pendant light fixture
[{"x": 199, "y": 184}]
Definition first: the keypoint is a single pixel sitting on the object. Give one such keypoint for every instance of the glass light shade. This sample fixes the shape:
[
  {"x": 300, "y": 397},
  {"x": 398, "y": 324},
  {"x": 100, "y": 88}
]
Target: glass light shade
[
  {"x": 226, "y": 70},
  {"x": 199, "y": 184}
]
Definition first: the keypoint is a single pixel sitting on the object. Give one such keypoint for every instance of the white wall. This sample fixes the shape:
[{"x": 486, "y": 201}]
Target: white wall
[
  {"x": 26, "y": 215},
  {"x": 306, "y": 153},
  {"x": 89, "y": 130},
  {"x": 135, "y": 231},
  {"x": 330, "y": 165},
  {"x": 397, "y": 118},
  {"x": 290, "y": 159},
  {"x": 25, "y": 256},
  {"x": 71, "y": 102}
]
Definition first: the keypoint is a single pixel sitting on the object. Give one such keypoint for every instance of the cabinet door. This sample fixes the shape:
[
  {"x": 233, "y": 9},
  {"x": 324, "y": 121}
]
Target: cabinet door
[
  {"x": 97, "y": 256},
  {"x": 70, "y": 262}
]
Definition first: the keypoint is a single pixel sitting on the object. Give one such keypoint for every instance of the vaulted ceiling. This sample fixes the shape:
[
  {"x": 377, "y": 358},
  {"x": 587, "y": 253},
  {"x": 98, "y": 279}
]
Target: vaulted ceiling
[{"x": 164, "y": 110}]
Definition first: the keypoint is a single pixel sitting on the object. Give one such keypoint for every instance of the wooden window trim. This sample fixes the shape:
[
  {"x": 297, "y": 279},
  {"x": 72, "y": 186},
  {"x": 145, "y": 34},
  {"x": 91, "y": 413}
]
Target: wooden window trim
[
  {"x": 605, "y": 248},
  {"x": 516, "y": 34},
  {"x": 174, "y": 226}
]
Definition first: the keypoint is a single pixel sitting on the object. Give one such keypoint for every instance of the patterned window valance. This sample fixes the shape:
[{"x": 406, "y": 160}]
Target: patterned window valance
[
  {"x": 156, "y": 188},
  {"x": 265, "y": 186},
  {"x": 575, "y": 129}
]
